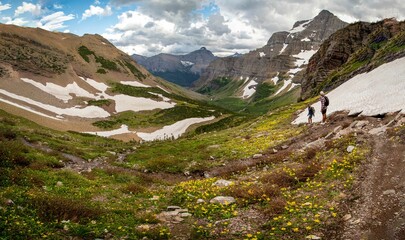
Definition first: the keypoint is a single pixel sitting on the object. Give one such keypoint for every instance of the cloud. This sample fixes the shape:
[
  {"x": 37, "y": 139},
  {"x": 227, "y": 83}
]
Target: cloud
[
  {"x": 97, "y": 11},
  {"x": 216, "y": 24},
  {"x": 4, "y": 7},
  {"x": 15, "y": 21},
  {"x": 54, "y": 21},
  {"x": 57, "y": 6},
  {"x": 34, "y": 9},
  {"x": 224, "y": 26}
]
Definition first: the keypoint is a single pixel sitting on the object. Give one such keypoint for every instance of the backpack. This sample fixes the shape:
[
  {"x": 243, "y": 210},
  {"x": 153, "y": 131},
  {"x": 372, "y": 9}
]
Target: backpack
[
  {"x": 312, "y": 111},
  {"x": 326, "y": 101}
]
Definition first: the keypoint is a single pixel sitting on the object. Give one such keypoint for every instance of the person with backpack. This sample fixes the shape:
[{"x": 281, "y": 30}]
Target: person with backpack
[
  {"x": 324, "y": 106},
  {"x": 311, "y": 113}
]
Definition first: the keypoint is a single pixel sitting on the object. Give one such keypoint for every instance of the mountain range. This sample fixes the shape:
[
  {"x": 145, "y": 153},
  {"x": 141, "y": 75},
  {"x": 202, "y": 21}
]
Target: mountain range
[
  {"x": 180, "y": 69},
  {"x": 94, "y": 146},
  {"x": 280, "y": 63}
]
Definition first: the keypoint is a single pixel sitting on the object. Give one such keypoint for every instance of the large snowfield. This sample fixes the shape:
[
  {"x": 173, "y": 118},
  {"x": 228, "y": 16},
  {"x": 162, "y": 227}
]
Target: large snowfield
[
  {"x": 64, "y": 93},
  {"x": 379, "y": 91},
  {"x": 167, "y": 132}
]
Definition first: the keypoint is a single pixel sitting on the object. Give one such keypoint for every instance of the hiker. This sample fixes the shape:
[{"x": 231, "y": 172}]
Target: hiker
[
  {"x": 324, "y": 106},
  {"x": 311, "y": 113}
]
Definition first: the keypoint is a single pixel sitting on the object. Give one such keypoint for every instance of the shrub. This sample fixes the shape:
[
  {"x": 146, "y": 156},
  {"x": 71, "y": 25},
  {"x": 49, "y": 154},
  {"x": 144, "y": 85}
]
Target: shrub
[
  {"x": 84, "y": 52},
  {"x": 134, "y": 189},
  {"x": 135, "y": 71},
  {"x": 101, "y": 71},
  {"x": 107, "y": 64},
  {"x": 13, "y": 153},
  {"x": 51, "y": 208}
]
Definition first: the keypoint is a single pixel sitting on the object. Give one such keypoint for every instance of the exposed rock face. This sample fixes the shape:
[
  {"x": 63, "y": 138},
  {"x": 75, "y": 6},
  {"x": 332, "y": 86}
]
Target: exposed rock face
[
  {"x": 359, "y": 44},
  {"x": 180, "y": 69},
  {"x": 275, "y": 58}
]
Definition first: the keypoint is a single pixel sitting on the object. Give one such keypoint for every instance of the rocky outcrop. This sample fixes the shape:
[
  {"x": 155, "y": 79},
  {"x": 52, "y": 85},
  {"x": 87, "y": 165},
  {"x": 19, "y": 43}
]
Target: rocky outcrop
[
  {"x": 179, "y": 69},
  {"x": 276, "y": 57},
  {"x": 357, "y": 48}
]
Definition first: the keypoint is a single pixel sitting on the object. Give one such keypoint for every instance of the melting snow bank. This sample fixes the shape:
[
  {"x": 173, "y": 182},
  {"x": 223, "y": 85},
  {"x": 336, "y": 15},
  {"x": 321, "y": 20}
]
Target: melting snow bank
[
  {"x": 123, "y": 129},
  {"x": 380, "y": 91},
  {"x": 249, "y": 89},
  {"x": 175, "y": 130}
]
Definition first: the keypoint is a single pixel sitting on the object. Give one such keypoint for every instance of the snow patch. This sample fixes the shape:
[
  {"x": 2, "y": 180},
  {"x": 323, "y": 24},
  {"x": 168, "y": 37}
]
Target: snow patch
[
  {"x": 187, "y": 63},
  {"x": 262, "y": 54},
  {"x": 123, "y": 129},
  {"x": 97, "y": 85},
  {"x": 376, "y": 92},
  {"x": 28, "y": 109},
  {"x": 305, "y": 40},
  {"x": 122, "y": 102},
  {"x": 86, "y": 112},
  {"x": 60, "y": 92},
  {"x": 162, "y": 89},
  {"x": 249, "y": 89},
  {"x": 285, "y": 85},
  {"x": 300, "y": 27},
  {"x": 275, "y": 79},
  {"x": 134, "y": 84},
  {"x": 284, "y": 47},
  {"x": 128, "y": 103},
  {"x": 303, "y": 57},
  {"x": 175, "y": 130}
]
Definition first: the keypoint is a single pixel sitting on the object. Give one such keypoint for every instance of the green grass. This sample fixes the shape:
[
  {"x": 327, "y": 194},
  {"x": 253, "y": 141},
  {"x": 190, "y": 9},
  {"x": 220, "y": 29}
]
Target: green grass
[
  {"x": 156, "y": 118},
  {"x": 101, "y": 71},
  {"x": 107, "y": 64},
  {"x": 99, "y": 103},
  {"x": 295, "y": 196},
  {"x": 85, "y": 52},
  {"x": 135, "y": 71}
]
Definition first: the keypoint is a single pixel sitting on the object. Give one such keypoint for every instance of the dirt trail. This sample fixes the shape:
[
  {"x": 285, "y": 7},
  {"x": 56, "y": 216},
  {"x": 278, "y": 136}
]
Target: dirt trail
[{"x": 378, "y": 213}]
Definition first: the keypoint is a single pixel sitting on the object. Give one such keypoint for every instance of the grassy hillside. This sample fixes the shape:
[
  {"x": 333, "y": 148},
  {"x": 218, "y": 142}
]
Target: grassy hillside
[{"x": 62, "y": 185}]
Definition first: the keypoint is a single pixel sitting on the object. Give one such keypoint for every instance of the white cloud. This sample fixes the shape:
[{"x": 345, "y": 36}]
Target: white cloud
[
  {"x": 57, "y": 6},
  {"x": 224, "y": 26},
  {"x": 4, "y": 7},
  {"x": 97, "y": 11},
  {"x": 34, "y": 9},
  {"x": 54, "y": 21},
  {"x": 15, "y": 21}
]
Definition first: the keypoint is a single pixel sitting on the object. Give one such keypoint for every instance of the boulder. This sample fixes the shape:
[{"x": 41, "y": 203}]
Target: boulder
[
  {"x": 222, "y": 183},
  {"x": 223, "y": 200},
  {"x": 173, "y": 208},
  {"x": 258, "y": 155},
  {"x": 350, "y": 149}
]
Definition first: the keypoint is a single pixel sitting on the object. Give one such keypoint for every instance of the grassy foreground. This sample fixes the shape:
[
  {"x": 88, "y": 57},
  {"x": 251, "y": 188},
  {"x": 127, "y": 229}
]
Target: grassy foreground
[{"x": 126, "y": 186}]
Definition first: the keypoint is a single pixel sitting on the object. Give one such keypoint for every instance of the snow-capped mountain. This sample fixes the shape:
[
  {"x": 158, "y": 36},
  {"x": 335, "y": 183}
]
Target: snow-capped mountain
[
  {"x": 280, "y": 62},
  {"x": 357, "y": 48},
  {"x": 180, "y": 69}
]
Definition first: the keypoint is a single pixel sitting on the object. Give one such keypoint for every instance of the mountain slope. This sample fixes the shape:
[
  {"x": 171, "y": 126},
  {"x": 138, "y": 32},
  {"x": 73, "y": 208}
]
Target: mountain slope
[
  {"x": 280, "y": 61},
  {"x": 85, "y": 83},
  {"x": 180, "y": 69},
  {"x": 358, "y": 48}
]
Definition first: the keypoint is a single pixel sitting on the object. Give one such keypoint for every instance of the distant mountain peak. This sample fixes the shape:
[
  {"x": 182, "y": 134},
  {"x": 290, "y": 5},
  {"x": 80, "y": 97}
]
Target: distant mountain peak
[{"x": 325, "y": 12}]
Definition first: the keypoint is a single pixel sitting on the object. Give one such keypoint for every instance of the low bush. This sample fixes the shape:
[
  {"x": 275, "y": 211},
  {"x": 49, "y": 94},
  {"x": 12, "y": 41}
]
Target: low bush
[{"x": 51, "y": 208}]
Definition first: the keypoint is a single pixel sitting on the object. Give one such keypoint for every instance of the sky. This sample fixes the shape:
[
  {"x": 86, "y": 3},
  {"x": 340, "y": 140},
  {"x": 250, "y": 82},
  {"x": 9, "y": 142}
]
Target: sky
[{"x": 149, "y": 27}]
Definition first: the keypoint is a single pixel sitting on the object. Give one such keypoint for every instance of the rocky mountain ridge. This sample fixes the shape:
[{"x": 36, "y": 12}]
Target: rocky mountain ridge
[
  {"x": 358, "y": 48},
  {"x": 179, "y": 69},
  {"x": 282, "y": 58}
]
